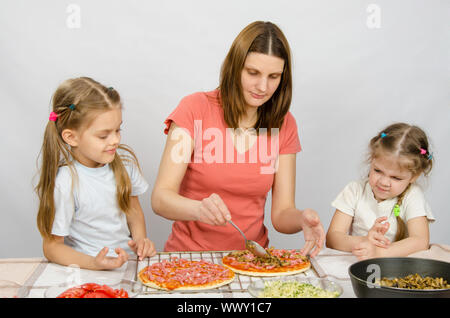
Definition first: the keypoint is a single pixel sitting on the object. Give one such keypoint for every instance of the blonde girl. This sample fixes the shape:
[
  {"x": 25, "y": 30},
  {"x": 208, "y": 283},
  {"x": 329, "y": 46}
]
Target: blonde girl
[
  {"x": 386, "y": 215},
  {"x": 89, "y": 183}
]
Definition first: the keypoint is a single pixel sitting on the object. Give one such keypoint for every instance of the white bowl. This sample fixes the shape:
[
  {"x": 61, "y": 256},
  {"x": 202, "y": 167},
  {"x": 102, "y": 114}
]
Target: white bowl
[{"x": 256, "y": 288}]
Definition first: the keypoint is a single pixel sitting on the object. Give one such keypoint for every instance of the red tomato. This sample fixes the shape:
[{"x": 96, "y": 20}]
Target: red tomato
[
  {"x": 96, "y": 294},
  {"x": 121, "y": 293},
  {"x": 93, "y": 290},
  {"x": 74, "y": 292}
]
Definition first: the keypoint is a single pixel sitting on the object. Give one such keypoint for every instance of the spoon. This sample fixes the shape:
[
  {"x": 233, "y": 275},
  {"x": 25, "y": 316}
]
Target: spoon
[{"x": 252, "y": 246}]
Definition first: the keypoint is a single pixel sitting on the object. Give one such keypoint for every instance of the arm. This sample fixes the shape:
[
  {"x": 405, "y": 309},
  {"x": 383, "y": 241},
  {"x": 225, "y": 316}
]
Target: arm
[
  {"x": 140, "y": 244},
  {"x": 57, "y": 252},
  {"x": 286, "y": 218},
  {"x": 166, "y": 200},
  {"x": 337, "y": 235},
  {"x": 417, "y": 240}
]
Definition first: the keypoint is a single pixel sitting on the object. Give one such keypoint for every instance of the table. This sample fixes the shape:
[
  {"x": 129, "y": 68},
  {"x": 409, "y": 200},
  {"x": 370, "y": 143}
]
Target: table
[{"x": 30, "y": 277}]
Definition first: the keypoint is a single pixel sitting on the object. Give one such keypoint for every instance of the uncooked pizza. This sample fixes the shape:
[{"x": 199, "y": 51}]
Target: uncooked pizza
[
  {"x": 281, "y": 262},
  {"x": 183, "y": 274}
]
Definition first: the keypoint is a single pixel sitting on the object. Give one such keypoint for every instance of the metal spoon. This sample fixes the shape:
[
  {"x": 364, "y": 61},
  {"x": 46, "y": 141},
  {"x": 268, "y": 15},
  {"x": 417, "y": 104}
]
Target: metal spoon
[{"x": 252, "y": 246}]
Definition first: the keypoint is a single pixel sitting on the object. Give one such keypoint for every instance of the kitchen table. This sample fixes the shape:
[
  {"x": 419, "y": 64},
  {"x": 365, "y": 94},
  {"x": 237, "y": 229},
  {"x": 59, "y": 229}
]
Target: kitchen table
[{"x": 31, "y": 277}]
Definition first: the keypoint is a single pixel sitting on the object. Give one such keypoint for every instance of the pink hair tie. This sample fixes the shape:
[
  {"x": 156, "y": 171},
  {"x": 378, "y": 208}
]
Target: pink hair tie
[
  {"x": 422, "y": 151},
  {"x": 53, "y": 116}
]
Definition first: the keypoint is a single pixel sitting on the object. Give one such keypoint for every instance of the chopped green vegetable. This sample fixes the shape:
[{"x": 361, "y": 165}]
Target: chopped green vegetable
[{"x": 294, "y": 289}]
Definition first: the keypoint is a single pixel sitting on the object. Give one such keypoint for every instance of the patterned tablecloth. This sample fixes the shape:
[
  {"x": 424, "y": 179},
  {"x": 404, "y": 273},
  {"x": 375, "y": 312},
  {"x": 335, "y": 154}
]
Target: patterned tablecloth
[{"x": 31, "y": 277}]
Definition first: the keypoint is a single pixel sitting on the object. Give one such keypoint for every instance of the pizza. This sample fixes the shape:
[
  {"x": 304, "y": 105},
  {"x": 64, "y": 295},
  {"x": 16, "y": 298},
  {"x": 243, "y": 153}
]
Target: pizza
[
  {"x": 182, "y": 274},
  {"x": 281, "y": 262}
]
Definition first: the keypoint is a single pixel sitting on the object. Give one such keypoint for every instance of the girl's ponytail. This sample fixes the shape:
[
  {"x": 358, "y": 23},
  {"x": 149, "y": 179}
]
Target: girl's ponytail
[
  {"x": 402, "y": 230},
  {"x": 52, "y": 148}
]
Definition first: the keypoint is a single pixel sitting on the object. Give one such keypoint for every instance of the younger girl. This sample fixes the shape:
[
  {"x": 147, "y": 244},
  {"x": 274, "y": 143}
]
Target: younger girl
[
  {"x": 388, "y": 206},
  {"x": 88, "y": 191}
]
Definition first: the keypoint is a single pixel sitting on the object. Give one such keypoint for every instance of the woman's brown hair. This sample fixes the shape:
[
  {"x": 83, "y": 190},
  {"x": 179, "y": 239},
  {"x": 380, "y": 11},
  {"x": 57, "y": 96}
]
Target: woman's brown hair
[
  {"x": 265, "y": 38},
  {"x": 410, "y": 144},
  {"x": 76, "y": 102}
]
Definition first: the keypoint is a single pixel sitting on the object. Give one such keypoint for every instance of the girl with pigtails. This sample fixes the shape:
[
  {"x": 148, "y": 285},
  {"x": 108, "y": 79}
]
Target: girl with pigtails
[
  {"x": 386, "y": 215},
  {"x": 89, "y": 212}
]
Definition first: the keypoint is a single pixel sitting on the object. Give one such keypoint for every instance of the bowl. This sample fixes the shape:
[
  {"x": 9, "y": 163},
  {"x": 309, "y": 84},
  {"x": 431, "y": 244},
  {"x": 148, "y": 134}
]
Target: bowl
[
  {"x": 364, "y": 274},
  {"x": 133, "y": 288},
  {"x": 257, "y": 287}
]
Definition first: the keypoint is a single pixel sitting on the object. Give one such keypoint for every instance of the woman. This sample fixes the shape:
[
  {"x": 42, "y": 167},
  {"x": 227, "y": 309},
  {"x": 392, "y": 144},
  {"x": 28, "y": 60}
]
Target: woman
[{"x": 226, "y": 149}]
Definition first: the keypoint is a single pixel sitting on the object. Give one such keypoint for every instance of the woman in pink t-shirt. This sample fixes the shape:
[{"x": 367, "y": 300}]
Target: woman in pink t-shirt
[{"x": 227, "y": 148}]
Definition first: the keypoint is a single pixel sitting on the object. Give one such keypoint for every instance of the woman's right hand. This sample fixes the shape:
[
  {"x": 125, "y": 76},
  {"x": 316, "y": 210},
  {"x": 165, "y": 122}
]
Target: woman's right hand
[
  {"x": 213, "y": 211},
  {"x": 102, "y": 261},
  {"x": 376, "y": 233}
]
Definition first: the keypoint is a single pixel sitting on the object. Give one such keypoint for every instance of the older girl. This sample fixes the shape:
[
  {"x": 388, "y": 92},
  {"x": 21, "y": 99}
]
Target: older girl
[{"x": 89, "y": 184}]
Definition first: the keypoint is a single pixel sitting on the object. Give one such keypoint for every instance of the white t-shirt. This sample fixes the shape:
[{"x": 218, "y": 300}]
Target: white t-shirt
[
  {"x": 358, "y": 201},
  {"x": 88, "y": 216}
]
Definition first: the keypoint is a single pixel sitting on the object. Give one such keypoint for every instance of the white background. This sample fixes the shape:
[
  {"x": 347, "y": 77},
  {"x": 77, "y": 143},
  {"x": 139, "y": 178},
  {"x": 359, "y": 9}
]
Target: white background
[{"x": 357, "y": 68}]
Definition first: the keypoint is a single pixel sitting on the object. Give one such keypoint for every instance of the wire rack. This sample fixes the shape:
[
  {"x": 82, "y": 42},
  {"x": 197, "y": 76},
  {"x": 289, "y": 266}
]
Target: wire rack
[{"x": 238, "y": 285}]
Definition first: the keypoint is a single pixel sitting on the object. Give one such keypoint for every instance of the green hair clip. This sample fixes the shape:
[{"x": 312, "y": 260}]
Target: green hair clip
[{"x": 396, "y": 210}]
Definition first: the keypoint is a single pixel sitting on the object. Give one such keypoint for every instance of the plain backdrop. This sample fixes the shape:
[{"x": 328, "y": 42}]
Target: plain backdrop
[{"x": 357, "y": 66}]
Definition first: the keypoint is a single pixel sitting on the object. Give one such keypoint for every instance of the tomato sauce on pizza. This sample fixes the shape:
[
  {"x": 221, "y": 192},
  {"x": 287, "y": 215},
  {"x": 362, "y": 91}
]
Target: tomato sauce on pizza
[
  {"x": 182, "y": 274},
  {"x": 281, "y": 262}
]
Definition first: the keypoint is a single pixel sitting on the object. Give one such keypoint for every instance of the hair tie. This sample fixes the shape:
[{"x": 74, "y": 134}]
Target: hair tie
[
  {"x": 383, "y": 135},
  {"x": 53, "y": 116},
  {"x": 72, "y": 106},
  {"x": 396, "y": 210},
  {"x": 422, "y": 151},
  {"x": 110, "y": 88},
  {"x": 430, "y": 156}
]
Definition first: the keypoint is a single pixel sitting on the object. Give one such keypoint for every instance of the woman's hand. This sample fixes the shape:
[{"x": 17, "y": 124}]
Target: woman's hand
[
  {"x": 377, "y": 232},
  {"x": 142, "y": 248},
  {"x": 313, "y": 232},
  {"x": 102, "y": 261},
  {"x": 212, "y": 210}
]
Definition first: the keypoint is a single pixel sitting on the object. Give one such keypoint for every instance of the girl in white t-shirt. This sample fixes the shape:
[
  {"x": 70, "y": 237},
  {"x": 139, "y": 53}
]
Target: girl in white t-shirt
[
  {"x": 386, "y": 215},
  {"x": 89, "y": 211}
]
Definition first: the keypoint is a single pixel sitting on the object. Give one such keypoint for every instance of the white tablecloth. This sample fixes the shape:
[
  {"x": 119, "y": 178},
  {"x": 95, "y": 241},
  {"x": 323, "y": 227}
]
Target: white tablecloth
[{"x": 31, "y": 277}]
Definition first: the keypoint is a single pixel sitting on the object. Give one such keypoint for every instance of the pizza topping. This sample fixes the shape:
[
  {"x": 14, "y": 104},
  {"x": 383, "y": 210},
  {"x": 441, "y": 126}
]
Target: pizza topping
[
  {"x": 178, "y": 272},
  {"x": 280, "y": 258},
  {"x": 294, "y": 289}
]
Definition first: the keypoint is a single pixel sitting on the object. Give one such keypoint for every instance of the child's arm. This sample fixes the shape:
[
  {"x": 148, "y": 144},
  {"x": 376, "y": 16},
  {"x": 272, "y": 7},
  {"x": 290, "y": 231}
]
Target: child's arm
[
  {"x": 337, "y": 235},
  {"x": 57, "y": 252},
  {"x": 140, "y": 244},
  {"x": 417, "y": 240}
]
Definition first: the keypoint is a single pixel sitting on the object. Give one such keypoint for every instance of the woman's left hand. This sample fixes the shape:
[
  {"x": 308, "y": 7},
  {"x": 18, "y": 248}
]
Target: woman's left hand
[
  {"x": 313, "y": 232},
  {"x": 142, "y": 248}
]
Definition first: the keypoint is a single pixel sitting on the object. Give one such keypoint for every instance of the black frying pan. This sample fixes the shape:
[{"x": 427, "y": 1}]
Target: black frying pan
[{"x": 364, "y": 273}]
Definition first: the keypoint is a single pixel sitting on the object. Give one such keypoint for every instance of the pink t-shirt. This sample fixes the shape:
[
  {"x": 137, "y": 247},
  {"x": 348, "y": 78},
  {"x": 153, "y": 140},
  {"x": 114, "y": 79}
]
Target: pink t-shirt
[{"x": 241, "y": 180}]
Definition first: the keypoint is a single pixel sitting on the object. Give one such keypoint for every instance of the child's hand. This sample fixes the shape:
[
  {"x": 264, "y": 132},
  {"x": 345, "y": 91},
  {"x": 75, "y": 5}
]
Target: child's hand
[
  {"x": 107, "y": 262},
  {"x": 376, "y": 233},
  {"x": 364, "y": 250},
  {"x": 143, "y": 248}
]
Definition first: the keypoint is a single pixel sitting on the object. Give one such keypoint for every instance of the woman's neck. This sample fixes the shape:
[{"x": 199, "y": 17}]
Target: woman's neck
[{"x": 249, "y": 119}]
